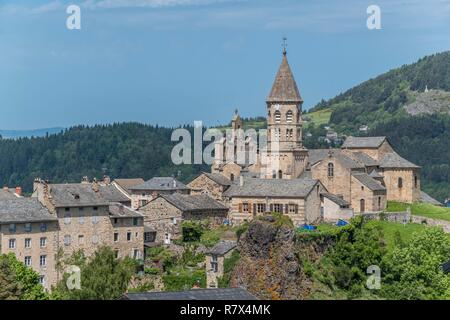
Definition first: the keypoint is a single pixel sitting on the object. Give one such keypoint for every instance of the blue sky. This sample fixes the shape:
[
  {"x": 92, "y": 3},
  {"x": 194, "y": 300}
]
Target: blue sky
[{"x": 171, "y": 62}]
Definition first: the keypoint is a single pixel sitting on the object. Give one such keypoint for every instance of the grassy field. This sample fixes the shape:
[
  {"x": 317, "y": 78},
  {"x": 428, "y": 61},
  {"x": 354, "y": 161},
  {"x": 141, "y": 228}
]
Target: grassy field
[
  {"x": 319, "y": 117},
  {"x": 421, "y": 209}
]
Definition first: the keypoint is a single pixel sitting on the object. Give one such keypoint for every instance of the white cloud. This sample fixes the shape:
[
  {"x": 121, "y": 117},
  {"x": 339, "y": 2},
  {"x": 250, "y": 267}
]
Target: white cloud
[{"x": 148, "y": 3}]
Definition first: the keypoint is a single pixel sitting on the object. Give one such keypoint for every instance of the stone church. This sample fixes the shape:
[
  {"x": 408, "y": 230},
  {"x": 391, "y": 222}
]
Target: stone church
[{"x": 361, "y": 176}]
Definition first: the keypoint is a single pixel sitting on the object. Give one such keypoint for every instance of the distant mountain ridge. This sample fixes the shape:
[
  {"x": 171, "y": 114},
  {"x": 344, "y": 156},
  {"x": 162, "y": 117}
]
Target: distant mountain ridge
[{"x": 14, "y": 134}]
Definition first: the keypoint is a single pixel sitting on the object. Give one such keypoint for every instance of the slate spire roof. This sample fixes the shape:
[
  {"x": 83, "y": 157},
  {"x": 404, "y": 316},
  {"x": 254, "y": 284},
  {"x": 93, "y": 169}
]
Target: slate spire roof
[{"x": 284, "y": 88}]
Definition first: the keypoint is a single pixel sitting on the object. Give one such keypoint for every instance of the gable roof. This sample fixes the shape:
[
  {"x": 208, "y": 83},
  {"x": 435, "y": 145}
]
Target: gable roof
[
  {"x": 284, "y": 88},
  {"x": 24, "y": 210},
  {"x": 393, "y": 160},
  {"x": 363, "y": 158},
  {"x": 363, "y": 142},
  {"x": 118, "y": 210},
  {"x": 369, "y": 182},
  {"x": 186, "y": 202},
  {"x": 338, "y": 200},
  {"x": 83, "y": 194},
  {"x": 218, "y": 178},
  {"x": 161, "y": 183},
  {"x": 253, "y": 187},
  {"x": 195, "y": 294},
  {"x": 126, "y": 184},
  {"x": 317, "y": 155}
]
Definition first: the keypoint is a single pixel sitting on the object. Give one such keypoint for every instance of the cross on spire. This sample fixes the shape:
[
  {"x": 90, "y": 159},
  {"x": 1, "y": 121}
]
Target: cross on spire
[{"x": 285, "y": 45}]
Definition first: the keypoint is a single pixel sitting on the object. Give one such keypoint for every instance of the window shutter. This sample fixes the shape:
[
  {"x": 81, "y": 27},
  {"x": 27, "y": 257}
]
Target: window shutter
[
  {"x": 250, "y": 206},
  {"x": 271, "y": 207},
  {"x": 240, "y": 207},
  {"x": 296, "y": 208},
  {"x": 264, "y": 207},
  {"x": 254, "y": 208},
  {"x": 286, "y": 208}
]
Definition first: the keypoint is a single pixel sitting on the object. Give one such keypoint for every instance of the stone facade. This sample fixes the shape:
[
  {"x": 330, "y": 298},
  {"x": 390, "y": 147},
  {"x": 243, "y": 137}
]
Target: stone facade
[
  {"x": 35, "y": 244},
  {"x": 205, "y": 185},
  {"x": 403, "y": 184},
  {"x": 363, "y": 199}
]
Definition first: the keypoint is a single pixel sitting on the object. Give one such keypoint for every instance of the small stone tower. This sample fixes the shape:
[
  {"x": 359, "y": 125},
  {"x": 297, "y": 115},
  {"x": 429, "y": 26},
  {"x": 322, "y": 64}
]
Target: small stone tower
[{"x": 286, "y": 156}]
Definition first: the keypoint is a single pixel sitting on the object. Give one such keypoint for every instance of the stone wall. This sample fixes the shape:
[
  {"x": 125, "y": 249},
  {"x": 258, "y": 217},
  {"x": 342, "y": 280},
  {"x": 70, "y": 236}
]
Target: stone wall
[
  {"x": 204, "y": 185},
  {"x": 374, "y": 201},
  {"x": 409, "y": 192}
]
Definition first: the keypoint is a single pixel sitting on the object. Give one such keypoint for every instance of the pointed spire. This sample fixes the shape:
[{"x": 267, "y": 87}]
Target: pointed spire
[{"x": 284, "y": 88}]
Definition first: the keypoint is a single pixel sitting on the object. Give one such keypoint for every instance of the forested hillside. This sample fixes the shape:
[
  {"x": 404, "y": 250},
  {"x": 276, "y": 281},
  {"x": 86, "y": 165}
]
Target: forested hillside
[{"x": 118, "y": 150}]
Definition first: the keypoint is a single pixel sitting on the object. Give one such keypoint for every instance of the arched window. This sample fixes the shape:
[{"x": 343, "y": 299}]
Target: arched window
[
  {"x": 400, "y": 182},
  {"x": 362, "y": 205},
  {"x": 277, "y": 116},
  {"x": 415, "y": 181},
  {"x": 232, "y": 177},
  {"x": 331, "y": 169},
  {"x": 280, "y": 174},
  {"x": 289, "y": 116}
]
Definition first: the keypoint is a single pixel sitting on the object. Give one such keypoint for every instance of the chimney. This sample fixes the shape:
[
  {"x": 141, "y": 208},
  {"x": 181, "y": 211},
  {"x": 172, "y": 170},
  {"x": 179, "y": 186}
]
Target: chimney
[
  {"x": 6, "y": 189},
  {"x": 95, "y": 186},
  {"x": 174, "y": 183},
  {"x": 106, "y": 180},
  {"x": 85, "y": 179},
  {"x": 241, "y": 181},
  {"x": 18, "y": 191}
]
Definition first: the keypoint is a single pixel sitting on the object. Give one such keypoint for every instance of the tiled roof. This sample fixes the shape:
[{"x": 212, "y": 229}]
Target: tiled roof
[
  {"x": 369, "y": 182},
  {"x": 118, "y": 210},
  {"x": 363, "y": 142},
  {"x": 186, "y": 202},
  {"x": 338, "y": 200},
  {"x": 363, "y": 158},
  {"x": 23, "y": 210},
  {"x": 284, "y": 88},
  {"x": 293, "y": 188},
  {"x": 83, "y": 194},
  {"x": 218, "y": 178},
  {"x": 161, "y": 183},
  {"x": 393, "y": 160},
  {"x": 317, "y": 155},
  {"x": 195, "y": 294},
  {"x": 424, "y": 197},
  {"x": 126, "y": 184},
  {"x": 223, "y": 247}
]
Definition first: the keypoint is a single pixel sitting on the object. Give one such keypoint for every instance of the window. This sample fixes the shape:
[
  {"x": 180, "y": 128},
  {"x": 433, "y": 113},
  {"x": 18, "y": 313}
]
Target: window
[
  {"x": 277, "y": 207},
  {"x": 67, "y": 240},
  {"x": 214, "y": 264},
  {"x": 67, "y": 217},
  {"x": 280, "y": 174},
  {"x": 116, "y": 236},
  {"x": 400, "y": 182},
  {"x": 12, "y": 243},
  {"x": 81, "y": 218},
  {"x": 128, "y": 236},
  {"x": 174, "y": 221},
  {"x": 116, "y": 253},
  {"x": 80, "y": 209},
  {"x": 292, "y": 208},
  {"x": 42, "y": 280},
  {"x": 136, "y": 221},
  {"x": 415, "y": 181},
  {"x": 95, "y": 208},
  {"x": 43, "y": 227},
  {"x": 260, "y": 208},
  {"x": 379, "y": 202},
  {"x": 362, "y": 188},
  {"x": 27, "y": 243},
  {"x": 277, "y": 116},
  {"x": 43, "y": 260},
  {"x": 95, "y": 239},
  {"x": 43, "y": 242},
  {"x": 136, "y": 254},
  {"x": 27, "y": 261},
  {"x": 67, "y": 209},
  {"x": 232, "y": 177},
  {"x": 12, "y": 228},
  {"x": 28, "y": 227},
  {"x": 94, "y": 219},
  {"x": 289, "y": 116},
  {"x": 143, "y": 203},
  {"x": 245, "y": 207},
  {"x": 80, "y": 239},
  {"x": 330, "y": 170}
]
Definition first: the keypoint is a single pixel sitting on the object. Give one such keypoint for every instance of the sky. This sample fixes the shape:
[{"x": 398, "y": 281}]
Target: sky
[{"x": 171, "y": 62}]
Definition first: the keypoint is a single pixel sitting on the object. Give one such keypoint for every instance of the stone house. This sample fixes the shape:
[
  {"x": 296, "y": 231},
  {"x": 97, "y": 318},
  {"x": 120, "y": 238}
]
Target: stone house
[
  {"x": 299, "y": 199},
  {"x": 165, "y": 213},
  {"x": 30, "y": 232},
  {"x": 143, "y": 193},
  {"x": 335, "y": 208},
  {"x": 215, "y": 258},
  {"x": 211, "y": 184},
  {"x": 124, "y": 185}
]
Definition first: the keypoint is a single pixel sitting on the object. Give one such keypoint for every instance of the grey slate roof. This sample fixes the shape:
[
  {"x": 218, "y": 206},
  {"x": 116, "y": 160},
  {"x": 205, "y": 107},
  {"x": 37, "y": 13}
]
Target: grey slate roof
[
  {"x": 160, "y": 184},
  {"x": 223, "y": 247},
  {"x": 284, "y": 88},
  {"x": 24, "y": 210},
  {"x": 195, "y": 294},
  {"x": 363, "y": 142},
  {"x": 393, "y": 160},
  {"x": 126, "y": 184},
  {"x": 363, "y": 158},
  {"x": 369, "y": 182},
  {"x": 186, "y": 202},
  {"x": 7, "y": 194},
  {"x": 317, "y": 155},
  {"x": 118, "y": 210},
  {"x": 293, "y": 188},
  {"x": 375, "y": 174},
  {"x": 218, "y": 178},
  {"x": 82, "y": 194},
  {"x": 338, "y": 200},
  {"x": 424, "y": 197}
]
